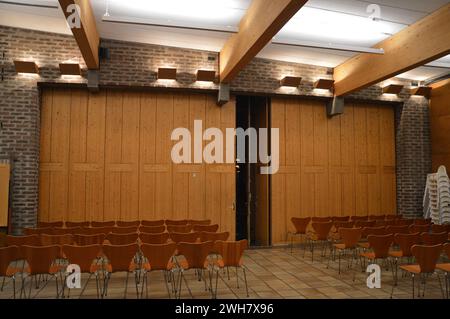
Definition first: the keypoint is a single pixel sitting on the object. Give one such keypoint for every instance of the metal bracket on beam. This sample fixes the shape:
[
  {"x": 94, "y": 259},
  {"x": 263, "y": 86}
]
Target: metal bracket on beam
[
  {"x": 93, "y": 79},
  {"x": 335, "y": 106},
  {"x": 224, "y": 94}
]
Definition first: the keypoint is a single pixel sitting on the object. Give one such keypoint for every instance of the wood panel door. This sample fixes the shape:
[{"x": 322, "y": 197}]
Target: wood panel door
[
  {"x": 107, "y": 156},
  {"x": 344, "y": 165}
]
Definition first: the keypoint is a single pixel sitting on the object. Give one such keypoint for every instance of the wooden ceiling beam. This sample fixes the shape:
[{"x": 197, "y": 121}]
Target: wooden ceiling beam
[{"x": 422, "y": 42}]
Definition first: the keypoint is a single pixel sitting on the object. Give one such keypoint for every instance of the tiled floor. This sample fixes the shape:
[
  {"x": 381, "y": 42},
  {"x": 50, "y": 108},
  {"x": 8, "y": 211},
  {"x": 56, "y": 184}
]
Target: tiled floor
[{"x": 272, "y": 273}]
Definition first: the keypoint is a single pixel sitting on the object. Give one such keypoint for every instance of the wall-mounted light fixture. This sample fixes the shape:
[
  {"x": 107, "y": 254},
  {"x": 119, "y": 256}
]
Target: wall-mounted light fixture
[
  {"x": 392, "y": 89},
  {"x": 206, "y": 75},
  {"x": 324, "y": 84},
  {"x": 26, "y": 67},
  {"x": 292, "y": 81},
  {"x": 421, "y": 91},
  {"x": 167, "y": 74},
  {"x": 70, "y": 68}
]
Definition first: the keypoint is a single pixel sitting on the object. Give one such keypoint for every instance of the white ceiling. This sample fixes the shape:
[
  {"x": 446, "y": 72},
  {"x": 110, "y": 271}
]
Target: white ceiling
[{"x": 341, "y": 22}]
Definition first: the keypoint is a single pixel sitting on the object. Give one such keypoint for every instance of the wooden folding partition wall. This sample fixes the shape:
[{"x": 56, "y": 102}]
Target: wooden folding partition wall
[
  {"x": 107, "y": 156},
  {"x": 344, "y": 165}
]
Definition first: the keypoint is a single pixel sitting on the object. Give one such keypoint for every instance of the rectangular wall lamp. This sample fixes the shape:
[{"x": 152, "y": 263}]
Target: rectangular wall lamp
[
  {"x": 422, "y": 91},
  {"x": 206, "y": 75},
  {"x": 290, "y": 81},
  {"x": 393, "y": 89},
  {"x": 167, "y": 74},
  {"x": 26, "y": 67},
  {"x": 70, "y": 68},
  {"x": 324, "y": 84}
]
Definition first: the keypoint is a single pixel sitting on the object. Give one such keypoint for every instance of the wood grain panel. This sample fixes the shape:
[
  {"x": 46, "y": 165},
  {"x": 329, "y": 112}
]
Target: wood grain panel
[{"x": 440, "y": 124}]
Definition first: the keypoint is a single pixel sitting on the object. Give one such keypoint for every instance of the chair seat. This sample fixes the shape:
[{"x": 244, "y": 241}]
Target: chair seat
[
  {"x": 131, "y": 268},
  {"x": 365, "y": 245},
  {"x": 95, "y": 268},
  {"x": 396, "y": 253},
  {"x": 415, "y": 269},
  {"x": 11, "y": 271},
  {"x": 56, "y": 268},
  {"x": 443, "y": 267},
  {"x": 339, "y": 246},
  {"x": 368, "y": 255}
]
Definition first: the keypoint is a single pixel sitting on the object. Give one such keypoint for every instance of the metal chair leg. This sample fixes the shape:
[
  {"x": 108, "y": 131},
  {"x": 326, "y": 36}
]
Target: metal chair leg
[
  {"x": 245, "y": 279},
  {"x": 126, "y": 286},
  {"x": 237, "y": 277}
]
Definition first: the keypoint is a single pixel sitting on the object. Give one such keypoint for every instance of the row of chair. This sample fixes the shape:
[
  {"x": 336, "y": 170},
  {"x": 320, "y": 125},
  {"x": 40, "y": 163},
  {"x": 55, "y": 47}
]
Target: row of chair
[
  {"x": 103, "y": 260},
  {"x": 121, "y": 230},
  {"x": 160, "y": 222},
  {"x": 116, "y": 239}
]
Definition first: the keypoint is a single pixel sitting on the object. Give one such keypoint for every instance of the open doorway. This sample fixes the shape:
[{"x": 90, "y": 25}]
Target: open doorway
[{"x": 252, "y": 187}]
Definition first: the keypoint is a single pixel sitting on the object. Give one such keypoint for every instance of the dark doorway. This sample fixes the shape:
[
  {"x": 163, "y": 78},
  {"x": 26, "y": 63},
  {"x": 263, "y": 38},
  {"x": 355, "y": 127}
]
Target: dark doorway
[{"x": 252, "y": 188}]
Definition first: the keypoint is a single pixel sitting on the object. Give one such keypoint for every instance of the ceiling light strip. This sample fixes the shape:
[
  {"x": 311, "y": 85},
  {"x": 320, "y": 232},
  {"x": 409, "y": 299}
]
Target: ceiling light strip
[{"x": 330, "y": 46}]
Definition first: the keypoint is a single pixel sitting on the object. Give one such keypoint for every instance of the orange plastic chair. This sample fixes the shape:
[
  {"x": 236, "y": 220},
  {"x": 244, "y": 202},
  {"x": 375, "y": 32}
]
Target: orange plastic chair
[
  {"x": 77, "y": 224},
  {"x": 122, "y": 239},
  {"x": 404, "y": 242},
  {"x": 397, "y": 229},
  {"x": 231, "y": 255},
  {"x": 426, "y": 258},
  {"x": 321, "y": 219},
  {"x": 319, "y": 236},
  {"x": 377, "y": 217},
  {"x": 301, "y": 227},
  {"x": 380, "y": 245},
  {"x": 120, "y": 258},
  {"x": 50, "y": 224},
  {"x": 152, "y": 223},
  {"x": 205, "y": 236},
  {"x": 179, "y": 228},
  {"x": 37, "y": 231},
  {"x": 185, "y": 237},
  {"x": 49, "y": 240},
  {"x": 446, "y": 269},
  {"x": 153, "y": 239},
  {"x": 208, "y": 228},
  {"x": 195, "y": 257},
  {"x": 402, "y": 222},
  {"x": 337, "y": 225},
  {"x": 94, "y": 230},
  {"x": 41, "y": 261},
  {"x": 9, "y": 255},
  {"x": 440, "y": 228},
  {"x": 421, "y": 221},
  {"x": 124, "y": 230},
  {"x": 159, "y": 257},
  {"x": 88, "y": 240},
  {"x": 391, "y": 217},
  {"x": 340, "y": 218},
  {"x": 365, "y": 223},
  {"x": 31, "y": 240},
  {"x": 87, "y": 258},
  {"x": 419, "y": 228},
  {"x": 359, "y": 218},
  {"x": 199, "y": 222},
  {"x": 350, "y": 238},
  {"x": 434, "y": 239},
  {"x": 110, "y": 223},
  {"x": 367, "y": 231},
  {"x": 63, "y": 231},
  {"x": 152, "y": 229},
  {"x": 385, "y": 223},
  {"x": 182, "y": 222},
  {"x": 134, "y": 223}
]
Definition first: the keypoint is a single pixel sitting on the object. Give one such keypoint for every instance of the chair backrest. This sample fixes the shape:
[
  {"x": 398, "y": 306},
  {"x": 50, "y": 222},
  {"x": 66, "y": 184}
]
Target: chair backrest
[
  {"x": 134, "y": 223},
  {"x": 421, "y": 221},
  {"x": 63, "y": 231},
  {"x": 87, "y": 240},
  {"x": 207, "y": 228},
  {"x": 7, "y": 256},
  {"x": 402, "y": 222},
  {"x": 124, "y": 230},
  {"x": 322, "y": 229},
  {"x": 380, "y": 244},
  {"x": 154, "y": 238},
  {"x": 95, "y": 230},
  {"x": 447, "y": 250},
  {"x": 406, "y": 241},
  {"x": 195, "y": 253},
  {"x": 120, "y": 256},
  {"x": 419, "y": 228},
  {"x": 2, "y": 240},
  {"x": 49, "y": 240},
  {"x": 434, "y": 239},
  {"x": 50, "y": 224},
  {"x": 179, "y": 228},
  {"x": 397, "y": 229},
  {"x": 159, "y": 256},
  {"x": 376, "y": 217},
  {"x": 199, "y": 221},
  {"x": 152, "y": 222},
  {"x": 350, "y": 236},
  {"x": 440, "y": 228},
  {"x": 340, "y": 218},
  {"x": 300, "y": 224},
  {"x": 365, "y": 223},
  {"x": 385, "y": 222},
  {"x": 426, "y": 256},
  {"x": 390, "y": 217},
  {"x": 37, "y": 231},
  {"x": 31, "y": 240},
  {"x": 176, "y": 222},
  {"x": 231, "y": 252},
  {"x": 152, "y": 229},
  {"x": 184, "y": 237},
  {"x": 82, "y": 256},
  {"x": 338, "y": 225},
  {"x": 122, "y": 239},
  {"x": 40, "y": 259},
  {"x": 321, "y": 219},
  {"x": 366, "y": 231},
  {"x": 110, "y": 223},
  {"x": 359, "y": 218},
  {"x": 206, "y": 236},
  {"x": 77, "y": 224}
]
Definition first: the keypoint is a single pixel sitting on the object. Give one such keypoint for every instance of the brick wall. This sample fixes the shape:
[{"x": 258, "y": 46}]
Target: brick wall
[{"x": 136, "y": 64}]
